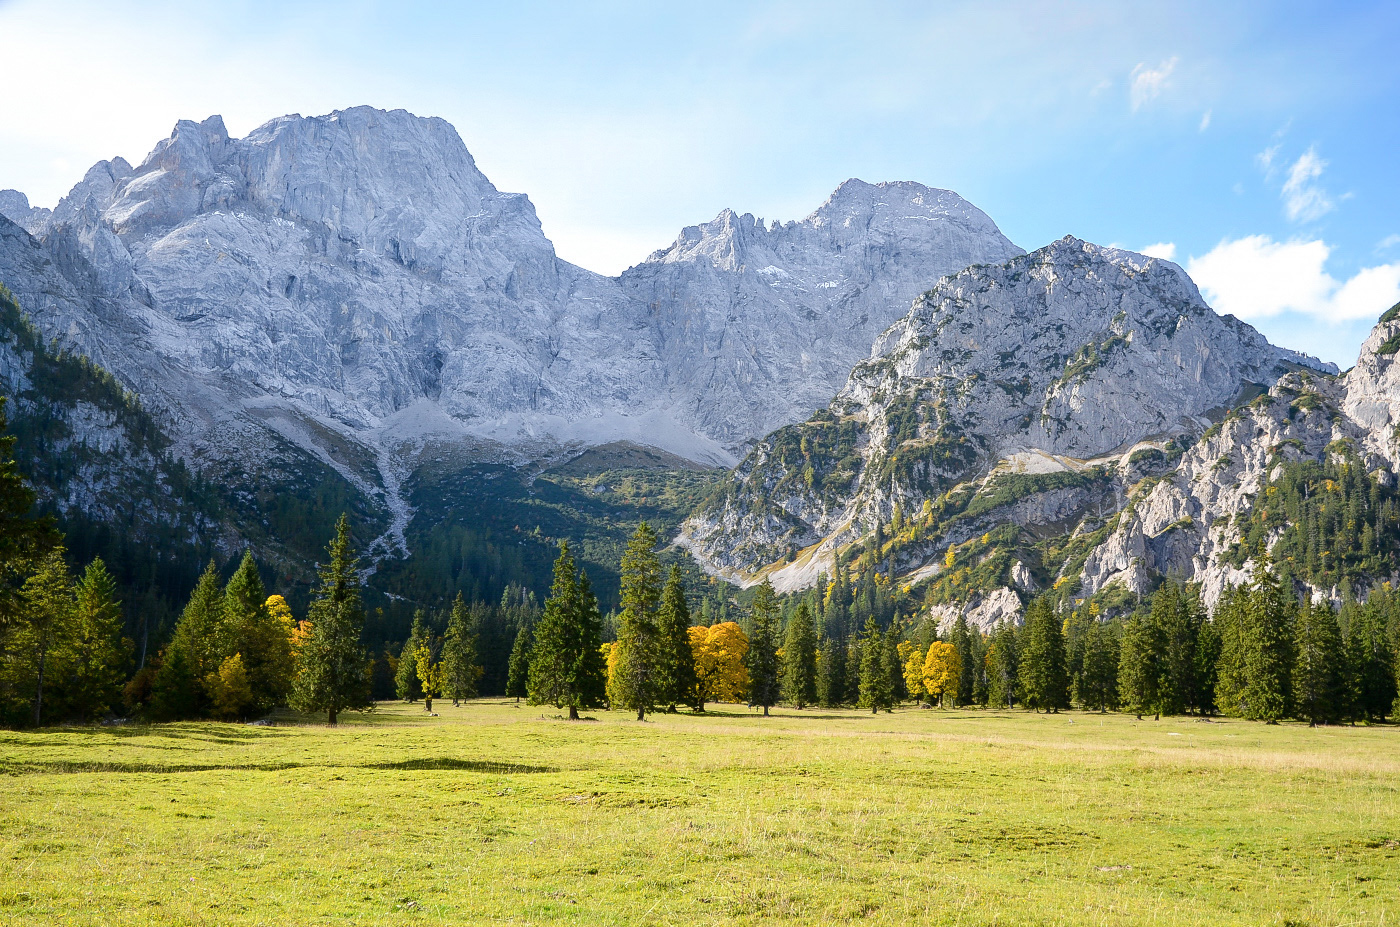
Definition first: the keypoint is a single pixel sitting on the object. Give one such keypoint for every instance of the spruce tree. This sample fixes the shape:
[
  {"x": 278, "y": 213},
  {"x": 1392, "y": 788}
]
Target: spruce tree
[
  {"x": 194, "y": 652},
  {"x": 1231, "y": 626},
  {"x": 250, "y": 631},
  {"x": 24, "y": 539},
  {"x": 1319, "y": 675},
  {"x": 762, "y": 658},
  {"x": 961, "y": 639},
  {"x": 1140, "y": 666},
  {"x": 800, "y": 659},
  {"x": 1371, "y": 661},
  {"x": 1268, "y": 648},
  {"x": 460, "y": 669},
  {"x": 38, "y": 655},
  {"x": 1044, "y": 680},
  {"x": 677, "y": 682},
  {"x": 1174, "y": 611},
  {"x": 331, "y": 676},
  {"x": 831, "y": 673},
  {"x": 100, "y": 653},
  {"x": 1208, "y": 648},
  {"x": 1097, "y": 687},
  {"x": 637, "y": 677},
  {"x": 566, "y": 663},
  {"x": 1004, "y": 663},
  {"x": 876, "y": 689},
  {"x": 406, "y": 683},
  {"x": 518, "y": 670}
]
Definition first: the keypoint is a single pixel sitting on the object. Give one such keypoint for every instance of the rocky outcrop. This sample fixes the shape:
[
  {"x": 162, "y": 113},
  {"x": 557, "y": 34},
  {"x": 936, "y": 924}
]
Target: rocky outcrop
[{"x": 1073, "y": 351}]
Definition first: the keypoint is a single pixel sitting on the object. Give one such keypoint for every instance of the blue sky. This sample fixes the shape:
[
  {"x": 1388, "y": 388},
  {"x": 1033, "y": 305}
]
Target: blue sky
[{"x": 1254, "y": 144}]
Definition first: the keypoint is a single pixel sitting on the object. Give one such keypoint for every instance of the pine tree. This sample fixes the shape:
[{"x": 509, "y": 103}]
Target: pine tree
[
  {"x": 566, "y": 662},
  {"x": 1208, "y": 649},
  {"x": 406, "y": 683},
  {"x": 1319, "y": 676},
  {"x": 1231, "y": 625},
  {"x": 460, "y": 669},
  {"x": 1268, "y": 649},
  {"x": 1140, "y": 666},
  {"x": 800, "y": 659},
  {"x": 636, "y": 681},
  {"x": 331, "y": 677},
  {"x": 762, "y": 658},
  {"x": 876, "y": 689},
  {"x": 1175, "y": 613},
  {"x": 677, "y": 682},
  {"x": 1044, "y": 679},
  {"x": 518, "y": 673},
  {"x": 1098, "y": 681},
  {"x": 100, "y": 653}
]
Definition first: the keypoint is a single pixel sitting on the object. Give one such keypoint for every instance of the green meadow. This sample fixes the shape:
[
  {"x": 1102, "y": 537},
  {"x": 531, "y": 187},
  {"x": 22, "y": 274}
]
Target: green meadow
[{"x": 497, "y": 813}]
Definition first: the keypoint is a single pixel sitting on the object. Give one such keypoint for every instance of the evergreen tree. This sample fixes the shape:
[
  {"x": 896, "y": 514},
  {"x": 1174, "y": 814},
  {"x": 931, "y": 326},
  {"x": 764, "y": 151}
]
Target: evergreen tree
[
  {"x": 1142, "y": 654},
  {"x": 1319, "y": 675},
  {"x": 1097, "y": 687},
  {"x": 194, "y": 652},
  {"x": 677, "y": 682},
  {"x": 636, "y": 680},
  {"x": 1268, "y": 649},
  {"x": 762, "y": 658},
  {"x": 1371, "y": 660},
  {"x": 876, "y": 688},
  {"x": 831, "y": 673},
  {"x": 1231, "y": 625},
  {"x": 100, "y": 653},
  {"x": 249, "y": 630},
  {"x": 1175, "y": 613},
  {"x": 332, "y": 677},
  {"x": 38, "y": 655},
  {"x": 24, "y": 539},
  {"x": 1208, "y": 652},
  {"x": 800, "y": 659},
  {"x": 406, "y": 683},
  {"x": 518, "y": 680},
  {"x": 1003, "y": 667},
  {"x": 460, "y": 670},
  {"x": 961, "y": 639},
  {"x": 1044, "y": 679},
  {"x": 566, "y": 663},
  {"x": 981, "y": 679}
]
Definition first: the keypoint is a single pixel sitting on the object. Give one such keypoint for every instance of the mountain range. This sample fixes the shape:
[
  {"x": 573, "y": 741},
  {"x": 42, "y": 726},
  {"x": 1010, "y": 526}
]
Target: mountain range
[{"x": 343, "y": 310}]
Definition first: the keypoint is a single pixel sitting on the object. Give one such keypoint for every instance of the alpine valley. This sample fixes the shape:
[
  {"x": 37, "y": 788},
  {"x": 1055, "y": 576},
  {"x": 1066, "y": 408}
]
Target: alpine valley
[{"x": 236, "y": 340}]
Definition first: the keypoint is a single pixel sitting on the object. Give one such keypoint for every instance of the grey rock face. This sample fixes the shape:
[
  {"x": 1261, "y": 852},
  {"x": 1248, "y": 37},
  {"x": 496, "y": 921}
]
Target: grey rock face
[
  {"x": 1073, "y": 350},
  {"x": 353, "y": 284}
]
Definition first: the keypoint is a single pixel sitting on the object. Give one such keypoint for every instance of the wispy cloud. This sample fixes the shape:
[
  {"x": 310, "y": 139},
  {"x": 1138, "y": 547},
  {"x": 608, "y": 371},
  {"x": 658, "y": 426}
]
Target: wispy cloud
[
  {"x": 1205, "y": 122},
  {"x": 1257, "y": 277},
  {"x": 1386, "y": 243},
  {"x": 1166, "y": 250},
  {"x": 1303, "y": 199},
  {"x": 1147, "y": 84}
]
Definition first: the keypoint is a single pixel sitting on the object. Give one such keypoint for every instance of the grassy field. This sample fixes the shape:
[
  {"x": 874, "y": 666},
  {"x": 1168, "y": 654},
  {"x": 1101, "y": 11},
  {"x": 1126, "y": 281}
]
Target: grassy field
[{"x": 494, "y": 813}]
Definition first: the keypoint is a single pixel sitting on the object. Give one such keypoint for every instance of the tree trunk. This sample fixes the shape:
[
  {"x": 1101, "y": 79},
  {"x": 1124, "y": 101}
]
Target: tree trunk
[
  {"x": 700, "y": 708},
  {"x": 39, "y": 692},
  {"x": 331, "y": 719},
  {"x": 428, "y": 703},
  {"x": 765, "y": 711},
  {"x": 874, "y": 709},
  {"x": 573, "y": 712},
  {"x": 641, "y": 714}
]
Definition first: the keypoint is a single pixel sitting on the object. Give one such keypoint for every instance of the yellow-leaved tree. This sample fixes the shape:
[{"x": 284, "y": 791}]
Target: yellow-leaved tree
[
  {"x": 912, "y": 659},
  {"x": 230, "y": 689},
  {"x": 942, "y": 669},
  {"x": 719, "y": 663}
]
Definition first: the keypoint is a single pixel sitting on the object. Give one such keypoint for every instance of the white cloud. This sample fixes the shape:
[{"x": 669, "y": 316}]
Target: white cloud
[
  {"x": 1388, "y": 242},
  {"x": 1166, "y": 250},
  {"x": 1205, "y": 122},
  {"x": 1265, "y": 158},
  {"x": 1304, "y": 200},
  {"x": 1148, "y": 83},
  {"x": 1257, "y": 277}
]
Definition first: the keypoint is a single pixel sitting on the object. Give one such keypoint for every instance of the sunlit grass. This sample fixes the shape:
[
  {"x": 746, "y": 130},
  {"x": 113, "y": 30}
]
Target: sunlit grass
[{"x": 497, "y": 813}]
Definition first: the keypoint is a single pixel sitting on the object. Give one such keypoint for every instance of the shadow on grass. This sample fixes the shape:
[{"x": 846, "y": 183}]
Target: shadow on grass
[
  {"x": 785, "y": 716},
  {"x": 427, "y": 763}
]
